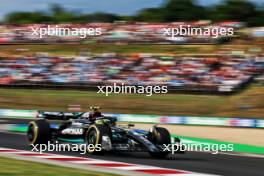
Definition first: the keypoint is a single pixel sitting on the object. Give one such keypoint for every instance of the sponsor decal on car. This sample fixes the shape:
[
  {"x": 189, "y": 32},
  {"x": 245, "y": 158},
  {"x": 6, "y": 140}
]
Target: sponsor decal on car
[{"x": 72, "y": 131}]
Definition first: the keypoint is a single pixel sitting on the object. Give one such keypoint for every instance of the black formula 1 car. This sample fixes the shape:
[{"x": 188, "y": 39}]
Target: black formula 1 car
[{"x": 59, "y": 127}]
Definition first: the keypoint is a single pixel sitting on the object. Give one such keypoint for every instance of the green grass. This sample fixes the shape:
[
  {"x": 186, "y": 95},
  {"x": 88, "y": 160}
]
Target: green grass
[
  {"x": 163, "y": 104},
  {"x": 244, "y": 148},
  {"x": 73, "y": 49},
  {"x": 62, "y": 49},
  {"x": 11, "y": 167}
]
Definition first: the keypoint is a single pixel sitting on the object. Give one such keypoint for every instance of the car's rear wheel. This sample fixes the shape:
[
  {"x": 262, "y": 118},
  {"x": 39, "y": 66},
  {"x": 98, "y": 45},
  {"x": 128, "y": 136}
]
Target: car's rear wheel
[
  {"x": 38, "y": 132},
  {"x": 94, "y": 137},
  {"x": 160, "y": 136}
]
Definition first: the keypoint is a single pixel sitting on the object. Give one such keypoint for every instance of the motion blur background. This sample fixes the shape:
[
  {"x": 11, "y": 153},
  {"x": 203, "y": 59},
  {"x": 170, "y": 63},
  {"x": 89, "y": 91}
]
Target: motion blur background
[
  {"x": 132, "y": 49},
  {"x": 212, "y": 81}
]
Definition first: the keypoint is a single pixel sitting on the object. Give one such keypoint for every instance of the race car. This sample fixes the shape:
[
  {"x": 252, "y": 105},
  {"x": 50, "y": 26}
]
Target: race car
[{"x": 60, "y": 127}]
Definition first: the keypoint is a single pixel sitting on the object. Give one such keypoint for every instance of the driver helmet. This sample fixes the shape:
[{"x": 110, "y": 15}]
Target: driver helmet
[{"x": 95, "y": 108}]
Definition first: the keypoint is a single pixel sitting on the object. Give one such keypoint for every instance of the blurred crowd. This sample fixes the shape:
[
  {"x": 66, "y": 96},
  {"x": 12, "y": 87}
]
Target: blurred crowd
[
  {"x": 220, "y": 74},
  {"x": 117, "y": 32}
]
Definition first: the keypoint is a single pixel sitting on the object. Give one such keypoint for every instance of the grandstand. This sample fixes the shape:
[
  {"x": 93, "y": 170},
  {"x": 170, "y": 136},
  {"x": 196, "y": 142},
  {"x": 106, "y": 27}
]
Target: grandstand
[{"x": 180, "y": 73}]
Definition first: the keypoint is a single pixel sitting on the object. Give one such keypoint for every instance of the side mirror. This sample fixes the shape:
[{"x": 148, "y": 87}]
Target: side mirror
[{"x": 131, "y": 125}]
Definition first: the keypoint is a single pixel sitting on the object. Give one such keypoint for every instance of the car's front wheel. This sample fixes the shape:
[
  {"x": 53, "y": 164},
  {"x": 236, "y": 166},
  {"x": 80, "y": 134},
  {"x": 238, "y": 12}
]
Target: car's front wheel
[
  {"x": 94, "y": 137},
  {"x": 160, "y": 136}
]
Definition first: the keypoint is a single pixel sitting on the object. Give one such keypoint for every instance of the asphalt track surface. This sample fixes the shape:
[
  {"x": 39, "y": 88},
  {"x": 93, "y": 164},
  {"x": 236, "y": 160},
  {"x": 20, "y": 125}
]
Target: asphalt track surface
[{"x": 219, "y": 164}]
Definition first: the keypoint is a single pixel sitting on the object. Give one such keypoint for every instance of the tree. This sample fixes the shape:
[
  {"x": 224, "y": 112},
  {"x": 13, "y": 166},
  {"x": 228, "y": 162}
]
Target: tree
[
  {"x": 183, "y": 10},
  {"x": 150, "y": 15},
  {"x": 170, "y": 11},
  {"x": 236, "y": 10},
  {"x": 59, "y": 14},
  {"x": 27, "y": 17},
  {"x": 56, "y": 9}
]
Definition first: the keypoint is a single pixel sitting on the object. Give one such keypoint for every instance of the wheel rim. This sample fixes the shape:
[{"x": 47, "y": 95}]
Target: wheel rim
[
  {"x": 92, "y": 136},
  {"x": 31, "y": 133}
]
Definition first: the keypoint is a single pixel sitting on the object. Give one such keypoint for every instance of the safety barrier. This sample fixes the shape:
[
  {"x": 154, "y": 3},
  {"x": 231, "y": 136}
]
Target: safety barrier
[
  {"x": 190, "y": 120},
  {"x": 157, "y": 119}
]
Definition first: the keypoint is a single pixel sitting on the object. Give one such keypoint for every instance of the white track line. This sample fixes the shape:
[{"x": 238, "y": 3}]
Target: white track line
[{"x": 105, "y": 165}]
